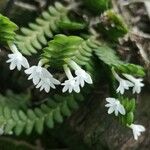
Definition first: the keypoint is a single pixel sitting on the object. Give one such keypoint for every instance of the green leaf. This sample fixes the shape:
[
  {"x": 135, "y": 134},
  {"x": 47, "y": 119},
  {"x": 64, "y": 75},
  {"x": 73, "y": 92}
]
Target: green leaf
[
  {"x": 132, "y": 105},
  {"x": 129, "y": 104},
  {"x": 19, "y": 127},
  {"x": 7, "y": 30},
  {"x": 31, "y": 114},
  {"x": 7, "y": 113},
  {"x": 29, "y": 126},
  {"x": 58, "y": 116},
  {"x": 130, "y": 118},
  {"x": 38, "y": 112},
  {"x": 22, "y": 115},
  {"x": 17, "y": 120},
  {"x": 39, "y": 125},
  {"x": 65, "y": 109},
  {"x": 9, "y": 126},
  {"x": 61, "y": 48},
  {"x": 132, "y": 69},
  {"x": 112, "y": 25},
  {"x": 69, "y": 25},
  {"x": 15, "y": 115},
  {"x": 72, "y": 103},
  {"x": 34, "y": 37},
  {"x": 97, "y": 6},
  {"x": 49, "y": 120},
  {"x": 107, "y": 55}
]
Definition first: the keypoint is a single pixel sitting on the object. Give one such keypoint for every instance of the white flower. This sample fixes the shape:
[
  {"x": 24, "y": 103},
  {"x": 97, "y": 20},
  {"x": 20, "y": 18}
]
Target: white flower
[
  {"x": 17, "y": 60},
  {"x": 137, "y": 83},
  {"x": 115, "y": 106},
  {"x": 46, "y": 83},
  {"x": 36, "y": 72},
  {"x": 137, "y": 129},
  {"x": 123, "y": 84},
  {"x": 71, "y": 84},
  {"x": 82, "y": 76},
  {"x": 41, "y": 77}
]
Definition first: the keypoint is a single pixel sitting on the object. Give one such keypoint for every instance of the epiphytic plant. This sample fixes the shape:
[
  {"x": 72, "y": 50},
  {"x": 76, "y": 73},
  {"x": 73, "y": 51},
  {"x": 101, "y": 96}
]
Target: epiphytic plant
[{"x": 68, "y": 62}]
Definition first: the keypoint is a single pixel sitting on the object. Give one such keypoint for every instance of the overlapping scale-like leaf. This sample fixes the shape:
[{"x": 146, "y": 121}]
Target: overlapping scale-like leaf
[
  {"x": 35, "y": 36},
  {"x": 17, "y": 119},
  {"x": 108, "y": 56},
  {"x": 7, "y": 30}
]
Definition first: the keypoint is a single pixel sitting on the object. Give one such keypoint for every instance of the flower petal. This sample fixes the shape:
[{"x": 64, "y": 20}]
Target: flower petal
[
  {"x": 12, "y": 66},
  {"x": 110, "y": 110}
]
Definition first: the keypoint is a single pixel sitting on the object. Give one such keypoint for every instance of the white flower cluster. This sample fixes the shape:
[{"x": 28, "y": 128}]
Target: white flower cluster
[
  {"x": 137, "y": 129},
  {"x": 43, "y": 79},
  {"x": 17, "y": 59},
  {"x": 74, "y": 83},
  {"x": 114, "y": 105},
  {"x": 130, "y": 82}
]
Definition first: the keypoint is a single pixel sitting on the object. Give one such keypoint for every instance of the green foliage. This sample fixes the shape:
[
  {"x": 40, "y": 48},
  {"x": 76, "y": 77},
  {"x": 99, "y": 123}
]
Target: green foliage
[
  {"x": 132, "y": 69},
  {"x": 15, "y": 114},
  {"x": 112, "y": 25},
  {"x": 107, "y": 55},
  {"x": 129, "y": 105},
  {"x": 23, "y": 119},
  {"x": 63, "y": 47},
  {"x": 7, "y": 29},
  {"x": 35, "y": 36},
  {"x": 97, "y": 6},
  {"x": 14, "y": 101},
  {"x": 70, "y": 25}
]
